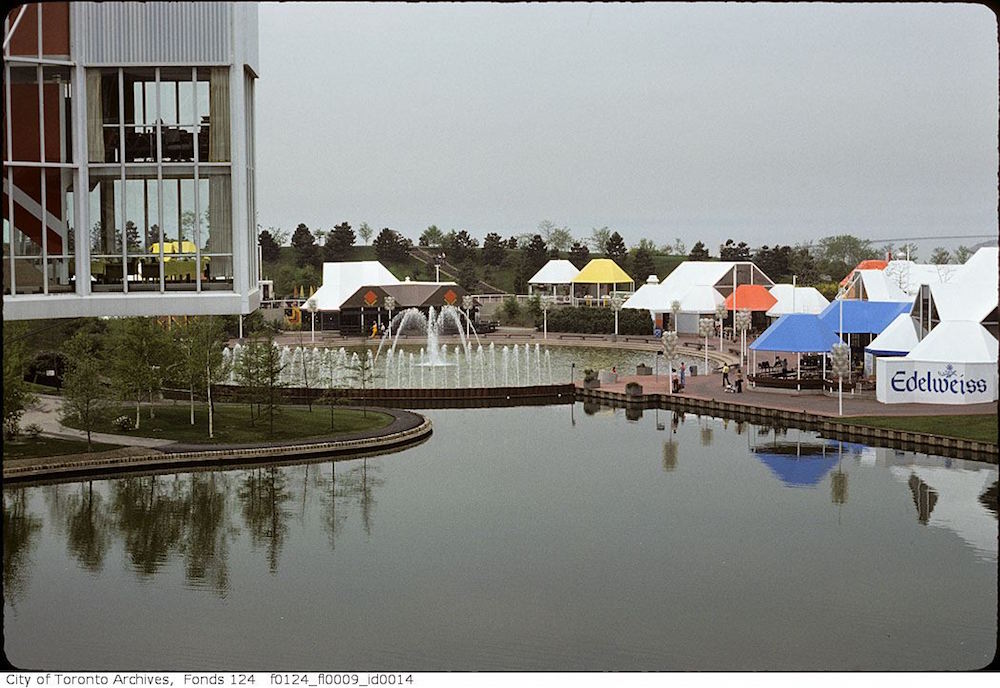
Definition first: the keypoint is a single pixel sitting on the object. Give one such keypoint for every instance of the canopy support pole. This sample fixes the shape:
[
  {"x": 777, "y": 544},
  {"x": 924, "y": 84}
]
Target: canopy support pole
[
  {"x": 752, "y": 383},
  {"x": 798, "y": 372}
]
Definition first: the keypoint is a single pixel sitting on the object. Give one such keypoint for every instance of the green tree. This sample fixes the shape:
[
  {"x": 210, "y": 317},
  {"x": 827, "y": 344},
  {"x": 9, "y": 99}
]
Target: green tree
[
  {"x": 304, "y": 245},
  {"x": 599, "y": 239},
  {"x": 15, "y": 392},
  {"x": 269, "y": 372},
  {"x": 962, "y": 254},
  {"x": 468, "y": 277},
  {"x": 698, "y": 252},
  {"x": 391, "y": 246},
  {"x": 493, "y": 249},
  {"x": 431, "y": 237},
  {"x": 642, "y": 265},
  {"x": 536, "y": 255},
  {"x": 269, "y": 248},
  {"x": 940, "y": 256},
  {"x": 579, "y": 255},
  {"x": 907, "y": 252},
  {"x": 559, "y": 238},
  {"x": 847, "y": 249},
  {"x": 246, "y": 370},
  {"x": 129, "y": 365},
  {"x": 365, "y": 232},
  {"x": 459, "y": 246},
  {"x": 339, "y": 242},
  {"x": 733, "y": 251},
  {"x": 615, "y": 247},
  {"x": 85, "y": 398},
  {"x": 362, "y": 376},
  {"x": 200, "y": 342}
]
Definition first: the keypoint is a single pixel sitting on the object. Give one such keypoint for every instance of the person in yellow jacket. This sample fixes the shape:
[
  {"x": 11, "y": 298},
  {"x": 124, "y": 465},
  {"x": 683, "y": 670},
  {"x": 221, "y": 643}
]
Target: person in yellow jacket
[{"x": 374, "y": 330}]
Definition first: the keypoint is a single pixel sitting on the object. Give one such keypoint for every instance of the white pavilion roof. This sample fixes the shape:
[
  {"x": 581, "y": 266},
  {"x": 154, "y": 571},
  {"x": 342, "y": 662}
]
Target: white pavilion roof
[
  {"x": 340, "y": 280},
  {"x": 555, "y": 272},
  {"x": 899, "y": 336},
  {"x": 956, "y": 341},
  {"x": 801, "y": 300}
]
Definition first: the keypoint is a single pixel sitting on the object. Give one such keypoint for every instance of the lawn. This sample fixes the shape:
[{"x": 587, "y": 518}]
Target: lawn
[
  {"x": 982, "y": 428},
  {"x": 232, "y": 423},
  {"x": 26, "y": 448}
]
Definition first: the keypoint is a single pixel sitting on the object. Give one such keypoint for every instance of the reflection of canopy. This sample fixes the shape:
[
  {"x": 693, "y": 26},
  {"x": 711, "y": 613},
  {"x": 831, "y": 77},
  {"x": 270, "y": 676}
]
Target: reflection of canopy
[
  {"x": 897, "y": 339},
  {"x": 798, "y": 471},
  {"x": 602, "y": 271},
  {"x": 796, "y": 300},
  {"x": 555, "y": 272},
  {"x": 864, "y": 317},
  {"x": 796, "y": 333},
  {"x": 173, "y": 247},
  {"x": 751, "y": 297}
]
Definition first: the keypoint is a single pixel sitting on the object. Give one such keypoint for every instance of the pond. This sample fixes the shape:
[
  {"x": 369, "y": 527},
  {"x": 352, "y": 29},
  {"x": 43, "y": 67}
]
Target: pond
[{"x": 543, "y": 538}]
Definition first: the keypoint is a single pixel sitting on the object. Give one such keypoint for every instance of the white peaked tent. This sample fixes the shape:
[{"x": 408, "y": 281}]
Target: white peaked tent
[
  {"x": 341, "y": 280},
  {"x": 553, "y": 273},
  {"x": 878, "y": 286},
  {"x": 897, "y": 339},
  {"x": 796, "y": 300},
  {"x": 956, "y": 363},
  {"x": 964, "y": 301}
]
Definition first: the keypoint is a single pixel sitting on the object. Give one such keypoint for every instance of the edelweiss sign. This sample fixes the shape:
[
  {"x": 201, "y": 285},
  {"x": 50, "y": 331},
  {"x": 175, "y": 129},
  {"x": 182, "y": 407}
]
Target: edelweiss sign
[{"x": 901, "y": 381}]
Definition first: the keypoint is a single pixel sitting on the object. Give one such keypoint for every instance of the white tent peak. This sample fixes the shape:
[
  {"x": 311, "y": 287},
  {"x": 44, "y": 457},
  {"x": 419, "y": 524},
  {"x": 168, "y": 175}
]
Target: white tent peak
[
  {"x": 805, "y": 300},
  {"x": 899, "y": 336},
  {"x": 555, "y": 272},
  {"x": 340, "y": 280},
  {"x": 956, "y": 341}
]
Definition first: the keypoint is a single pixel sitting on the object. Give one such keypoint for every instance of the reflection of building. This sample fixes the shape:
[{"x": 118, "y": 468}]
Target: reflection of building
[
  {"x": 128, "y": 184},
  {"x": 951, "y": 498}
]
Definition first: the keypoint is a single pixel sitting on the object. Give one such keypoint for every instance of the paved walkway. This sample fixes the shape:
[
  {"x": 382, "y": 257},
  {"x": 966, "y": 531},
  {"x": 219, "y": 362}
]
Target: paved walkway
[
  {"x": 710, "y": 387},
  {"x": 45, "y": 413}
]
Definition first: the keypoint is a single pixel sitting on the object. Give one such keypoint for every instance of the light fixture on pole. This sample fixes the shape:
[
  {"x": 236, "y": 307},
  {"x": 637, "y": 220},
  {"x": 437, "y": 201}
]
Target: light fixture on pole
[
  {"x": 743, "y": 320},
  {"x": 840, "y": 359},
  {"x": 311, "y": 307},
  {"x": 720, "y": 315},
  {"x": 675, "y": 308},
  {"x": 616, "y": 304},
  {"x": 546, "y": 303},
  {"x": 390, "y": 303},
  {"x": 670, "y": 354},
  {"x": 438, "y": 259},
  {"x": 705, "y": 327},
  {"x": 467, "y": 303}
]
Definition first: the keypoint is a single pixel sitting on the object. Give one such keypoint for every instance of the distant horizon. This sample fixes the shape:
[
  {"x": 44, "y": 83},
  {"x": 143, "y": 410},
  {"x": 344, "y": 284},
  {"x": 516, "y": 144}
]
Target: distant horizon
[{"x": 757, "y": 122}]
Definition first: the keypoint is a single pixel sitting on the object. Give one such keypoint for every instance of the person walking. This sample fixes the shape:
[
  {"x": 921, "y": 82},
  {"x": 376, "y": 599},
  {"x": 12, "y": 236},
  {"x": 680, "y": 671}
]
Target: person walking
[
  {"x": 739, "y": 381},
  {"x": 725, "y": 375},
  {"x": 683, "y": 371}
]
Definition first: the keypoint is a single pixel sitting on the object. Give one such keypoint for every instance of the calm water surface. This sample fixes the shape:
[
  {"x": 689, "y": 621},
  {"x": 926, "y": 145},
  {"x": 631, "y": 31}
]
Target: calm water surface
[{"x": 531, "y": 539}]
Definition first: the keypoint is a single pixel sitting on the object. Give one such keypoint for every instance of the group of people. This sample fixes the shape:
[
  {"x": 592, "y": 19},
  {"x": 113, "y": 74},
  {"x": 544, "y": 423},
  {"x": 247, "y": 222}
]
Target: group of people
[{"x": 737, "y": 386}]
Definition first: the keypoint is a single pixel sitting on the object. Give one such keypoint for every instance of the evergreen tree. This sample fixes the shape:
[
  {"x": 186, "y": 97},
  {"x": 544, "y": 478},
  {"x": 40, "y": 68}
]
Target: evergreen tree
[
  {"x": 642, "y": 265},
  {"x": 339, "y": 242},
  {"x": 698, "y": 252},
  {"x": 615, "y": 247},
  {"x": 579, "y": 255},
  {"x": 493, "y": 249},
  {"x": 431, "y": 237},
  {"x": 304, "y": 246},
  {"x": 390, "y": 246},
  {"x": 535, "y": 255},
  {"x": 269, "y": 248}
]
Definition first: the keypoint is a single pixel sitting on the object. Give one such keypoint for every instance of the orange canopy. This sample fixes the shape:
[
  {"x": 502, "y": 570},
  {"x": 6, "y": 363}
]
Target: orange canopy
[
  {"x": 865, "y": 265},
  {"x": 751, "y": 297}
]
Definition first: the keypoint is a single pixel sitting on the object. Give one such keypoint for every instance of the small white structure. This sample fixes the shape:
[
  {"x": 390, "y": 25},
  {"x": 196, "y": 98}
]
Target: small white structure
[
  {"x": 898, "y": 339},
  {"x": 341, "y": 280},
  {"x": 707, "y": 276},
  {"x": 792, "y": 299},
  {"x": 955, "y": 364},
  {"x": 552, "y": 274}
]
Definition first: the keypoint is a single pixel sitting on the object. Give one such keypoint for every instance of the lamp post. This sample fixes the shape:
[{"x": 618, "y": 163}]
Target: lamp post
[
  {"x": 467, "y": 302},
  {"x": 616, "y": 303},
  {"x": 670, "y": 354},
  {"x": 841, "y": 366},
  {"x": 390, "y": 303},
  {"x": 311, "y": 307},
  {"x": 743, "y": 319},
  {"x": 705, "y": 327},
  {"x": 546, "y": 303},
  {"x": 438, "y": 259},
  {"x": 675, "y": 308},
  {"x": 720, "y": 315}
]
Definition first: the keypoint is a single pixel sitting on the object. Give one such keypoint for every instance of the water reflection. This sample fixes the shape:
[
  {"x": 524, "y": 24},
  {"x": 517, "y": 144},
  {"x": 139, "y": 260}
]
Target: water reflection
[
  {"x": 19, "y": 530},
  {"x": 87, "y": 526},
  {"x": 263, "y": 494}
]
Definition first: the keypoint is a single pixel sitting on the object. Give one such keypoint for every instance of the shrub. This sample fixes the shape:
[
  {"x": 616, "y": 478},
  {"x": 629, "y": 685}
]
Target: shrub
[
  {"x": 589, "y": 375},
  {"x": 592, "y": 320},
  {"x": 11, "y": 428},
  {"x": 124, "y": 423},
  {"x": 510, "y": 309}
]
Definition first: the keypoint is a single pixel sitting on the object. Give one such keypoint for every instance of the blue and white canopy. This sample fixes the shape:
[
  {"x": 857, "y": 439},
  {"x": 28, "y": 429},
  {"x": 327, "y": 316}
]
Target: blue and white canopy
[{"x": 862, "y": 317}]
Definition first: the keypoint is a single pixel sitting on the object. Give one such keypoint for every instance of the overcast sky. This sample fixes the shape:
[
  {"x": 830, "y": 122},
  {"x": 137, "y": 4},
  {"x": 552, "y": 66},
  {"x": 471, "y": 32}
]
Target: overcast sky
[{"x": 766, "y": 123}]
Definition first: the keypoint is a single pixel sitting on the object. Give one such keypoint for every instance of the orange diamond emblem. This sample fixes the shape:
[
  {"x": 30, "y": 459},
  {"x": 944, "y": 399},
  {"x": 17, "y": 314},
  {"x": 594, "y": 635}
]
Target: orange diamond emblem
[
  {"x": 450, "y": 297},
  {"x": 371, "y": 297}
]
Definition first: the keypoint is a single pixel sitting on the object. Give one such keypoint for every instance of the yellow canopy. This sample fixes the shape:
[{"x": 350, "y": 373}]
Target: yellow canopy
[
  {"x": 602, "y": 271},
  {"x": 174, "y": 247}
]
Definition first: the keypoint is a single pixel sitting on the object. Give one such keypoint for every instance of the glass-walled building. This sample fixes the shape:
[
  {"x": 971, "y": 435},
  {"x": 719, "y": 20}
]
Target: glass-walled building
[{"x": 128, "y": 166}]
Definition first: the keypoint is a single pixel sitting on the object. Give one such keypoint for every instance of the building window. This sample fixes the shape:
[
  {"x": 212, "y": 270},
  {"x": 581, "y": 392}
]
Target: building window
[{"x": 161, "y": 200}]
